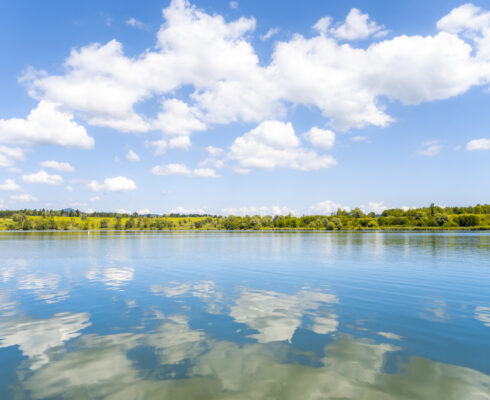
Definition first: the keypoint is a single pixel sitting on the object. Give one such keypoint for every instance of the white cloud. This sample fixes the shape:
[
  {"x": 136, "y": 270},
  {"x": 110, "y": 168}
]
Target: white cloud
[
  {"x": 171, "y": 169},
  {"x": 327, "y": 207},
  {"x": 9, "y": 185},
  {"x": 60, "y": 166},
  {"x": 182, "y": 169},
  {"x": 144, "y": 211},
  {"x": 478, "y": 144},
  {"x": 46, "y": 124},
  {"x": 183, "y": 210},
  {"x": 132, "y": 156},
  {"x": 116, "y": 184},
  {"x": 234, "y": 4},
  {"x": 276, "y": 316},
  {"x": 373, "y": 206},
  {"x": 35, "y": 338},
  {"x": 204, "y": 173},
  {"x": 178, "y": 118},
  {"x": 472, "y": 22},
  {"x": 214, "y": 158},
  {"x": 321, "y": 138},
  {"x": 214, "y": 151},
  {"x": 263, "y": 210},
  {"x": 113, "y": 277},
  {"x": 69, "y": 188},
  {"x": 273, "y": 144},
  {"x": 271, "y": 32},
  {"x": 95, "y": 198},
  {"x": 159, "y": 145},
  {"x": 215, "y": 59},
  {"x": 356, "y": 26},
  {"x": 179, "y": 142},
  {"x": 430, "y": 148},
  {"x": 465, "y": 17},
  {"x": 23, "y": 197},
  {"x": 43, "y": 177},
  {"x": 8, "y": 155},
  {"x": 133, "y": 22}
]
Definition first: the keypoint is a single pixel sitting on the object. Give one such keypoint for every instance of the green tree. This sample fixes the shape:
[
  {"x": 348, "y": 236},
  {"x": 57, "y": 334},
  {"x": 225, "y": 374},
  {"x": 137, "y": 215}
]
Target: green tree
[{"x": 441, "y": 219}]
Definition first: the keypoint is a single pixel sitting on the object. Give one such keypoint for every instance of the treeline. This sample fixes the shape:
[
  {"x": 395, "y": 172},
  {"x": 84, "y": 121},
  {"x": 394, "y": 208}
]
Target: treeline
[
  {"x": 99, "y": 214},
  {"x": 432, "y": 217}
]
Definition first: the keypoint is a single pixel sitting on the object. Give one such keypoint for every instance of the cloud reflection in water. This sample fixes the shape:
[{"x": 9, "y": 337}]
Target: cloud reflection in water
[{"x": 36, "y": 338}]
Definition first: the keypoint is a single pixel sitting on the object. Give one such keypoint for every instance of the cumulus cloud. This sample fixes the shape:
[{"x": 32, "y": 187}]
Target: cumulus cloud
[
  {"x": 374, "y": 206},
  {"x": 263, "y": 210},
  {"x": 132, "y": 156},
  {"x": 327, "y": 207},
  {"x": 182, "y": 169},
  {"x": 183, "y": 210},
  {"x": 159, "y": 145},
  {"x": 273, "y": 144},
  {"x": 478, "y": 144},
  {"x": 215, "y": 61},
  {"x": 8, "y": 155},
  {"x": 23, "y": 197},
  {"x": 473, "y": 23},
  {"x": 43, "y": 177},
  {"x": 357, "y": 26},
  {"x": 116, "y": 184},
  {"x": 179, "y": 142},
  {"x": 9, "y": 185},
  {"x": 60, "y": 166},
  {"x": 214, "y": 158},
  {"x": 321, "y": 138},
  {"x": 46, "y": 124},
  {"x": 178, "y": 118}
]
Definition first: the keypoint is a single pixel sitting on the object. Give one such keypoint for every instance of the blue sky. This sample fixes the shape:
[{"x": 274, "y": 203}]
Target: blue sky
[{"x": 244, "y": 107}]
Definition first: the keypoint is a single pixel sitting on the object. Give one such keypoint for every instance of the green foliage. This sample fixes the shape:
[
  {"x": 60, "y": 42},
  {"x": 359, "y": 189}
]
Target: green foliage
[
  {"x": 432, "y": 217},
  {"x": 467, "y": 220}
]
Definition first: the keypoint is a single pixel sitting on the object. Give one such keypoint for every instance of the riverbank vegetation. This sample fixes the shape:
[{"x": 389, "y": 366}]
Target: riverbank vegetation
[{"x": 426, "y": 218}]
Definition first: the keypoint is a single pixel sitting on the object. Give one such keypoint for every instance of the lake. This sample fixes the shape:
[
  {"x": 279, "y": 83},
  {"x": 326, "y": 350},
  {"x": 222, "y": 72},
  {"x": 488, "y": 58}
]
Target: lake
[{"x": 243, "y": 315}]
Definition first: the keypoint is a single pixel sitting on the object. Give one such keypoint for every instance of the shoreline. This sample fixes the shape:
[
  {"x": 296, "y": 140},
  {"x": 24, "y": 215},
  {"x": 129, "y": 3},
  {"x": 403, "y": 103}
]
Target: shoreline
[{"x": 364, "y": 230}]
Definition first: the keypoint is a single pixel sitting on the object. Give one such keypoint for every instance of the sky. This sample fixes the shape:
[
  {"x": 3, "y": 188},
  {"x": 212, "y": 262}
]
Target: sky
[{"x": 244, "y": 107}]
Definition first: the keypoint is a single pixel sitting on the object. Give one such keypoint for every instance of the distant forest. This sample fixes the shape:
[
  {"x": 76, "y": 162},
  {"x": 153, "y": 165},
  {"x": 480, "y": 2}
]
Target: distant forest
[{"x": 425, "y": 218}]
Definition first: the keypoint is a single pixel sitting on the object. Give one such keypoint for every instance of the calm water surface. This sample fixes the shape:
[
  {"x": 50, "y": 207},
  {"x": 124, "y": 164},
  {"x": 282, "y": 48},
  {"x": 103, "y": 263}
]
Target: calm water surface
[{"x": 200, "y": 315}]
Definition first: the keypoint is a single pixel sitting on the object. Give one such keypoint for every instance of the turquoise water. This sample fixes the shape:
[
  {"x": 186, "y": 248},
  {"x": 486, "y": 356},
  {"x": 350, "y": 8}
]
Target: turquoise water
[{"x": 201, "y": 315}]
